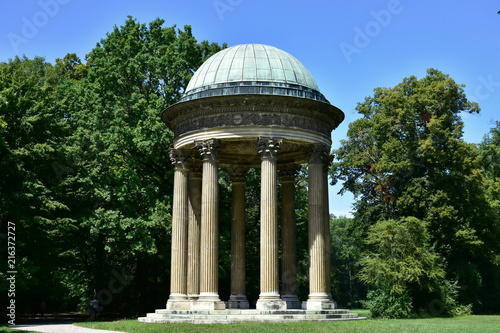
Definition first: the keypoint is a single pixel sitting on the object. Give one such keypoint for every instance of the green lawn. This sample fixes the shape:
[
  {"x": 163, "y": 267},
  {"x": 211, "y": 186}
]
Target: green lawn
[
  {"x": 468, "y": 324},
  {"x": 5, "y": 328}
]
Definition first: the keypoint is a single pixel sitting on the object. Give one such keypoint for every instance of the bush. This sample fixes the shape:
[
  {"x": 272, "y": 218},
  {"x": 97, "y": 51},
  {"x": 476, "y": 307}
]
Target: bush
[{"x": 383, "y": 304}]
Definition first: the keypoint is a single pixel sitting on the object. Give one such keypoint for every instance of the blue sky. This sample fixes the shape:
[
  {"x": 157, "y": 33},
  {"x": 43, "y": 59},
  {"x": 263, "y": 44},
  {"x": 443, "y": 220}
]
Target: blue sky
[{"x": 350, "y": 47}]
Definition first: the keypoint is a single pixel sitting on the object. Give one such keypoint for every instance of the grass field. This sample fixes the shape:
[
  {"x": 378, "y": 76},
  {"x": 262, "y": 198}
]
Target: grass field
[
  {"x": 6, "y": 329},
  {"x": 468, "y": 324}
]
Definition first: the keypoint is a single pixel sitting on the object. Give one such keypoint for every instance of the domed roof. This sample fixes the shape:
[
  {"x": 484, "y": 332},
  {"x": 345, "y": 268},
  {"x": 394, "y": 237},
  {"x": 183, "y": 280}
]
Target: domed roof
[{"x": 252, "y": 69}]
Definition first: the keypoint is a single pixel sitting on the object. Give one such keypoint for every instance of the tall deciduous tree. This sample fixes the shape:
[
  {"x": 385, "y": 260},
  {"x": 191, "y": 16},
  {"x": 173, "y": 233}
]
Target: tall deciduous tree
[
  {"x": 347, "y": 251},
  {"x": 405, "y": 271},
  {"x": 120, "y": 182},
  {"x": 406, "y": 157},
  {"x": 32, "y": 130},
  {"x": 489, "y": 149},
  {"x": 86, "y": 176}
]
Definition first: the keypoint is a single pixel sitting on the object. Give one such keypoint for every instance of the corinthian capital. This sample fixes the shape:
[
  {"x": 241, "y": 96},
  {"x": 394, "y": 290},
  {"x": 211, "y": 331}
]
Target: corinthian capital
[
  {"x": 179, "y": 159},
  {"x": 319, "y": 153},
  {"x": 238, "y": 174},
  {"x": 209, "y": 149},
  {"x": 268, "y": 147},
  {"x": 288, "y": 171}
]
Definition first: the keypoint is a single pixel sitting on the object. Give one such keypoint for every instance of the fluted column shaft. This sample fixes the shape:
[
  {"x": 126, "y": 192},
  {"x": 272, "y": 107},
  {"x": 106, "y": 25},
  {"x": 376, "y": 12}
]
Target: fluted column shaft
[
  {"x": 328, "y": 237},
  {"x": 319, "y": 295},
  {"x": 238, "y": 297},
  {"x": 194, "y": 225},
  {"x": 289, "y": 237},
  {"x": 269, "y": 283},
  {"x": 209, "y": 240},
  {"x": 178, "y": 285}
]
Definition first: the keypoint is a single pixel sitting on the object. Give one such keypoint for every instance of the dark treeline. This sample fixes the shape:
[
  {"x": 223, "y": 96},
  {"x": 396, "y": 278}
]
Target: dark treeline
[{"x": 87, "y": 182}]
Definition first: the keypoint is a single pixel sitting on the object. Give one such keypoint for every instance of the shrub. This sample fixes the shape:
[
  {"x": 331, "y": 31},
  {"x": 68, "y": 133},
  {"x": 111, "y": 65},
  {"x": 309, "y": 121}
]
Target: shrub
[{"x": 383, "y": 304}]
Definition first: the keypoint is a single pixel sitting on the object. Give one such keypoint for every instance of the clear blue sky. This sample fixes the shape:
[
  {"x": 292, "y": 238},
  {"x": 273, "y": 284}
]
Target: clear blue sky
[{"x": 350, "y": 47}]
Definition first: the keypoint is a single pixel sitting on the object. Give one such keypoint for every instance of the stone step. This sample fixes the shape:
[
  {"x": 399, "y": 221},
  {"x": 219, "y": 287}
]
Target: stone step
[
  {"x": 250, "y": 312},
  {"x": 245, "y": 317},
  {"x": 236, "y": 316},
  {"x": 233, "y": 320}
]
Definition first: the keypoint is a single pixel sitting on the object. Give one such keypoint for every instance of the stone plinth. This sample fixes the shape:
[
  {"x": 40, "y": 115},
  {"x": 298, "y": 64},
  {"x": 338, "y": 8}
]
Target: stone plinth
[{"x": 239, "y": 316}]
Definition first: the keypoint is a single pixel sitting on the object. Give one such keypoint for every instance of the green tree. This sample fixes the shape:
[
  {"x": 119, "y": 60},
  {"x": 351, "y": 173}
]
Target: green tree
[
  {"x": 406, "y": 157},
  {"x": 119, "y": 181},
  {"x": 32, "y": 131},
  {"x": 86, "y": 174},
  {"x": 405, "y": 271},
  {"x": 489, "y": 150},
  {"x": 348, "y": 247}
]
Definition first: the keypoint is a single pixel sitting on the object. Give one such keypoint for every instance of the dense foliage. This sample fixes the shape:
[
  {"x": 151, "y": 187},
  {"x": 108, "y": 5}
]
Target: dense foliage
[
  {"x": 405, "y": 160},
  {"x": 85, "y": 171}
]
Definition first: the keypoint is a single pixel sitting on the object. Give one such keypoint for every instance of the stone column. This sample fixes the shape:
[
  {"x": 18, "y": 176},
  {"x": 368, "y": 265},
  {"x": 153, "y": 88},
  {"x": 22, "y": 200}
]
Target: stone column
[
  {"x": 178, "y": 287},
  {"x": 269, "y": 298},
  {"x": 289, "y": 237},
  {"x": 194, "y": 225},
  {"x": 328, "y": 237},
  {"x": 319, "y": 296},
  {"x": 238, "y": 298},
  {"x": 209, "y": 242}
]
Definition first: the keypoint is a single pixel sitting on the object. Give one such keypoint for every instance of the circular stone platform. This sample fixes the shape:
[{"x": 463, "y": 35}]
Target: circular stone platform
[{"x": 240, "y": 316}]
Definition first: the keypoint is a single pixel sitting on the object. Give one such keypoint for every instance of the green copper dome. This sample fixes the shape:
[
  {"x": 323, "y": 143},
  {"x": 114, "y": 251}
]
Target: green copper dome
[{"x": 252, "y": 69}]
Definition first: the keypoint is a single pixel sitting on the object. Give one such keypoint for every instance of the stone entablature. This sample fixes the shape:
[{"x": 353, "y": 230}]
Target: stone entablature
[{"x": 253, "y": 111}]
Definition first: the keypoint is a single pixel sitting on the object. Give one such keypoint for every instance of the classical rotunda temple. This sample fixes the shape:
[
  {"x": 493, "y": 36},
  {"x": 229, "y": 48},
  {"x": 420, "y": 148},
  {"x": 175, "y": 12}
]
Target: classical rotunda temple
[{"x": 249, "y": 106}]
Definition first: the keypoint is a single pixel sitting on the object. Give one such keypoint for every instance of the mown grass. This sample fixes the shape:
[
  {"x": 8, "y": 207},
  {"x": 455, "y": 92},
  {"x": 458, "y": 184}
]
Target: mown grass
[
  {"x": 5, "y": 328},
  {"x": 468, "y": 324}
]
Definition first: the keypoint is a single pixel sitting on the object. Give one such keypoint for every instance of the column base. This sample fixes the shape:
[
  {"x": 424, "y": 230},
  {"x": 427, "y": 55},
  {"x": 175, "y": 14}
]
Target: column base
[
  {"x": 178, "y": 305},
  {"x": 271, "y": 305},
  {"x": 208, "y": 301},
  {"x": 193, "y": 297},
  {"x": 320, "y": 301},
  {"x": 238, "y": 302},
  {"x": 270, "y": 301},
  {"x": 292, "y": 301},
  {"x": 208, "y": 305}
]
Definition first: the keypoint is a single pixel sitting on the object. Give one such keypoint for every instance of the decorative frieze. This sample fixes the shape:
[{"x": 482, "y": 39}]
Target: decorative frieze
[
  {"x": 251, "y": 119},
  {"x": 267, "y": 104}
]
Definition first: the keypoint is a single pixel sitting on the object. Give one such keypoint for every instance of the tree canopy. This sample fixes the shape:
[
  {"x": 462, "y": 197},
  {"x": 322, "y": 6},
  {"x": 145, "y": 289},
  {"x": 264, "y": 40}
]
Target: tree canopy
[
  {"x": 87, "y": 178},
  {"x": 405, "y": 157}
]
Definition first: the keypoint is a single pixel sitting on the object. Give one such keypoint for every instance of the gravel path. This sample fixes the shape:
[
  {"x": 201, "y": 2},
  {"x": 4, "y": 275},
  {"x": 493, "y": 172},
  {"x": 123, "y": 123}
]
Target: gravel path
[{"x": 57, "y": 327}]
